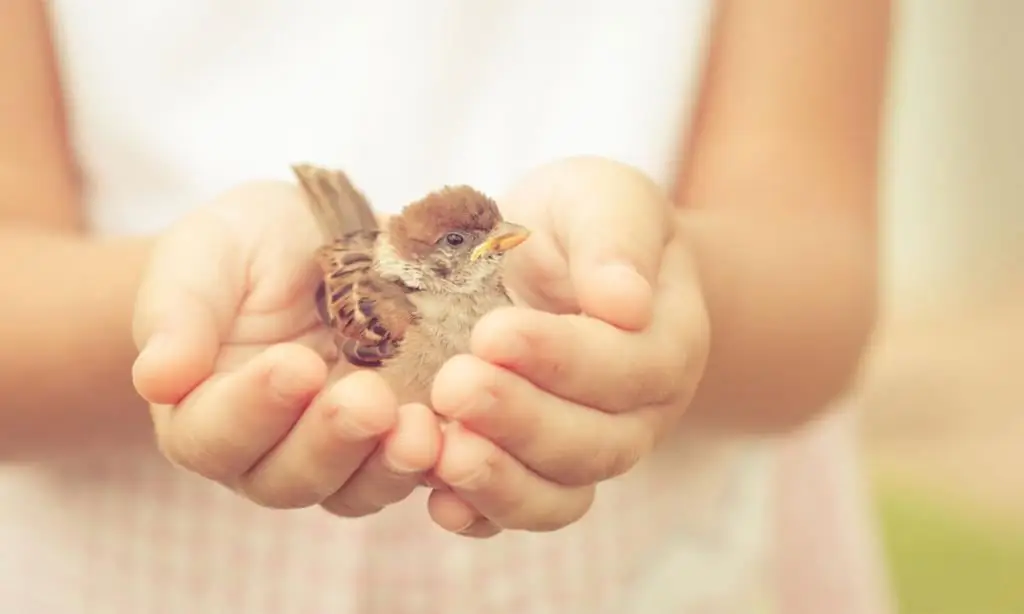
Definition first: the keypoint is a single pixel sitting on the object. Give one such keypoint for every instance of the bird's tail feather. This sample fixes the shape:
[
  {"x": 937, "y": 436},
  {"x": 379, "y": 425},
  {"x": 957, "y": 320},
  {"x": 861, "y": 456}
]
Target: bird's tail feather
[{"x": 338, "y": 206}]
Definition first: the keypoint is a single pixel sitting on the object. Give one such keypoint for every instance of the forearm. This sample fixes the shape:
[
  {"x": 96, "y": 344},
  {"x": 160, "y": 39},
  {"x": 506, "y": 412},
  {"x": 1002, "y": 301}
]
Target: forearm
[
  {"x": 791, "y": 298},
  {"x": 67, "y": 351},
  {"x": 777, "y": 198}
]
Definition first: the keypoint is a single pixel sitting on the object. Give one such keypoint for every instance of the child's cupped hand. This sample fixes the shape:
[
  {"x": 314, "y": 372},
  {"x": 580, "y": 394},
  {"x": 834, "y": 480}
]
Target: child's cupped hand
[
  {"x": 234, "y": 363},
  {"x": 580, "y": 387}
]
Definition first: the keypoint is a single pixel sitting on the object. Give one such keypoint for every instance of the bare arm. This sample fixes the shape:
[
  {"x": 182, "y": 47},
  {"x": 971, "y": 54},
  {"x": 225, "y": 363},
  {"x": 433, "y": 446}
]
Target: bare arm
[
  {"x": 778, "y": 199},
  {"x": 66, "y": 350}
]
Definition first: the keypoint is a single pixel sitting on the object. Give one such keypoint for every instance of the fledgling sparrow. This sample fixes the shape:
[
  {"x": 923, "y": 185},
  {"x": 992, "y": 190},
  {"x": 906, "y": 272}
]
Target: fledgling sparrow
[{"x": 404, "y": 299}]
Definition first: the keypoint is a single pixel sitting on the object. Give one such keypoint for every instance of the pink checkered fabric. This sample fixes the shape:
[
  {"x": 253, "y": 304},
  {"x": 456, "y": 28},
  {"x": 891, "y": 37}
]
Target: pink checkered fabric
[{"x": 126, "y": 534}]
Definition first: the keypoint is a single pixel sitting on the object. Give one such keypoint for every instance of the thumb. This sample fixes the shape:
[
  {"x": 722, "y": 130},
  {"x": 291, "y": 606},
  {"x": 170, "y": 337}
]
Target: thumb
[
  {"x": 185, "y": 307},
  {"x": 614, "y": 224}
]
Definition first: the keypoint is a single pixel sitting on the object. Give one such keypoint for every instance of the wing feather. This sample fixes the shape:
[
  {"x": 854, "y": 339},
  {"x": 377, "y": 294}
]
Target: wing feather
[{"x": 369, "y": 313}]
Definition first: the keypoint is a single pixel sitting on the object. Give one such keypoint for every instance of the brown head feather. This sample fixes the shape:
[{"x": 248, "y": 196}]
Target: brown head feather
[{"x": 417, "y": 229}]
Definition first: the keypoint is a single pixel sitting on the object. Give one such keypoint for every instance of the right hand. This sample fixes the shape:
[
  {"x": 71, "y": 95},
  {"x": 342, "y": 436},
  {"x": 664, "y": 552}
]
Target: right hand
[{"x": 234, "y": 363}]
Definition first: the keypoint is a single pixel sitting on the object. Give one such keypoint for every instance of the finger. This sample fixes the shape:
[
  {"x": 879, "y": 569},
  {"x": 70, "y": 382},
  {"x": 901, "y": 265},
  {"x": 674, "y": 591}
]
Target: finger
[
  {"x": 192, "y": 289},
  {"x": 583, "y": 359},
  {"x": 559, "y": 440},
  {"x": 453, "y": 514},
  {"x": 327, "y": 445},
  {"x": 231, "y": 421},
  {"x": 503, "y": 490},
  {"x": 614, "y": 223},
  {"x": 395, "y": 468}
]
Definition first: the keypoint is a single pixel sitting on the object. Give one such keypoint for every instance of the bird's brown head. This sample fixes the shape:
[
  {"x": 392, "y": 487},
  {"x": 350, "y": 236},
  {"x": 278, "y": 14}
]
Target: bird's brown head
[{"x": 454, "y": 238}]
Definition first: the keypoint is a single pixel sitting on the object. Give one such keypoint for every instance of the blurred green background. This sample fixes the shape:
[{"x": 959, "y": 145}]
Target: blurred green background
[{"x": 946, "y": 560}]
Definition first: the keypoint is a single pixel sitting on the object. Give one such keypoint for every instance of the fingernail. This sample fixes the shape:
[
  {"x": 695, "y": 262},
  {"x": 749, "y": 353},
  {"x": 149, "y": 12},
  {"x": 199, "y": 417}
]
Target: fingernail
[
  {"x": 355, "y": 428},
  {"x": 467, "y": 526},
  {"x": 478, "y": 403},
  {"x": 398, "y": 467},
  {"x": 474, "y": 403},
  {"x": 483, "y": 401}
]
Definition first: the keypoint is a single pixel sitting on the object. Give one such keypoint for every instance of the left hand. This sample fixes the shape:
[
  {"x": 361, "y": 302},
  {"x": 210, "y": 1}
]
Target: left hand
[{"x": 551, "y": 402}]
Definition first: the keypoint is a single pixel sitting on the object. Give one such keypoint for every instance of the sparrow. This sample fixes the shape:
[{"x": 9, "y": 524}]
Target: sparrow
[{"x": 403, "y": 298}]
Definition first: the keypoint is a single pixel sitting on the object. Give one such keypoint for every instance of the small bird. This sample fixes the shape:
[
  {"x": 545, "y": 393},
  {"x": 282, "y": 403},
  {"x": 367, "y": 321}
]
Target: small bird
[{"x": 403, "y": 299}]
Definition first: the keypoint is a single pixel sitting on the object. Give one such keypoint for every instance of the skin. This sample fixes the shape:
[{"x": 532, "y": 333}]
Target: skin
[
  {"x": 42, "y": 240},
  {"x": 774, "y": 173}
]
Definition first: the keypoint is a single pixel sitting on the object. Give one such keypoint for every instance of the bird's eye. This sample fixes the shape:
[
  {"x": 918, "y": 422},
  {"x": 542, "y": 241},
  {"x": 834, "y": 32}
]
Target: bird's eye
[{"x": 454, "y": 238}]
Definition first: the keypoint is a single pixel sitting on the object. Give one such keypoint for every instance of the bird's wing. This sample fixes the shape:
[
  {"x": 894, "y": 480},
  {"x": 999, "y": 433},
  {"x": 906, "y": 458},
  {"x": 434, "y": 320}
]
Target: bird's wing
[{"x": 369, "y": 313}]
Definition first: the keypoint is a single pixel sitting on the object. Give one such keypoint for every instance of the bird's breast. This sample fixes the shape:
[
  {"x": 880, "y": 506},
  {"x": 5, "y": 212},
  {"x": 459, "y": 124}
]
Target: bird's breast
[
  {"x": 447, "y": 320},
  {"x": 442, "y": 330}
]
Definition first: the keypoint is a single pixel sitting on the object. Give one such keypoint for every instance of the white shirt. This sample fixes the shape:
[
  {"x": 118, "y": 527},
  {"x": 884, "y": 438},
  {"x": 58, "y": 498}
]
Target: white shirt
[{"x": 174, "y": 101}]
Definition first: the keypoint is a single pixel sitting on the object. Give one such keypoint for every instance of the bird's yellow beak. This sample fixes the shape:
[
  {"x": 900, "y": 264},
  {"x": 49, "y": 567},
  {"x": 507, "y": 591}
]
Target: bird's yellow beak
[{"x": 504, "y": 238}]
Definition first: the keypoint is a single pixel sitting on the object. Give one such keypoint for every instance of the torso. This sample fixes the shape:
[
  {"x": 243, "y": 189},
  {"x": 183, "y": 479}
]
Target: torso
[{"x": 173, "y": 102}]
